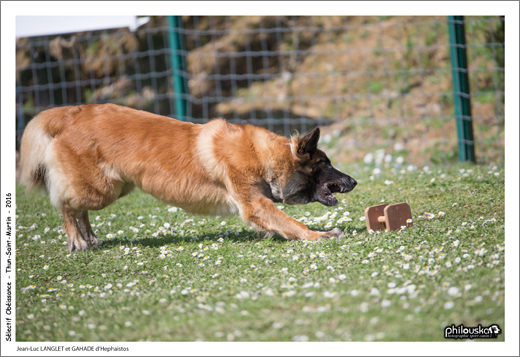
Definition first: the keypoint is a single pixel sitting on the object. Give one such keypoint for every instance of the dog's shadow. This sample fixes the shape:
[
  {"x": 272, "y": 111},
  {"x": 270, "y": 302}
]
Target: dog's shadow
[
  {"x": 209, "y": 238},
  {"x": 179, "y": 240}
]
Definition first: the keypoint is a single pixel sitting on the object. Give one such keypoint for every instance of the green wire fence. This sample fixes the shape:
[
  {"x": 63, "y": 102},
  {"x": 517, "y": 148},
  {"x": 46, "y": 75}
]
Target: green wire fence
[{"x": 428, "y": 88}]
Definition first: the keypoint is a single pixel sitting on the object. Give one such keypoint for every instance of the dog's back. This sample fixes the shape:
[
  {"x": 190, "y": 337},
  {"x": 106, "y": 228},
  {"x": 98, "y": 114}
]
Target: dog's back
[{"x": 90, "y": 155}]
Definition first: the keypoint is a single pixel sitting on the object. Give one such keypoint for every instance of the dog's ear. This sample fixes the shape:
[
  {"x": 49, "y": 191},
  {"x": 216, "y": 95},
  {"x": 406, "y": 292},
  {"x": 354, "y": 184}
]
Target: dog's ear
[{"x": 309, "y": 143}]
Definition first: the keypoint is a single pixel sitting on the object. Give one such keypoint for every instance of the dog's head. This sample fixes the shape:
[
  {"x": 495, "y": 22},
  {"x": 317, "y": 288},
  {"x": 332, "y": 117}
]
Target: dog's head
[{"x": 313, "y": 179}]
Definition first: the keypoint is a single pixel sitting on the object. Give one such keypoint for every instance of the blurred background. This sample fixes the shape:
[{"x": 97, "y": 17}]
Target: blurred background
[{"x": 379, "y": 84}]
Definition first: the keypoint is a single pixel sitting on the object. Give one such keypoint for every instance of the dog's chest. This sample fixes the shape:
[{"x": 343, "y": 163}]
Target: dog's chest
[{"x": 224, "y": 207}]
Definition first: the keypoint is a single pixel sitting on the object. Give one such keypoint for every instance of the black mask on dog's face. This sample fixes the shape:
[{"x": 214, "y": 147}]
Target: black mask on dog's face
[
  {"x": 328, "y": 181},
  {"x": 316, "y": 180}
]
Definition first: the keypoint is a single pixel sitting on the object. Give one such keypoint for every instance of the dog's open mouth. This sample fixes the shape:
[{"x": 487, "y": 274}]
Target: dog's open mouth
[
  {"x": 325, "y": 193},
  {"x": 334, "y": 188}
]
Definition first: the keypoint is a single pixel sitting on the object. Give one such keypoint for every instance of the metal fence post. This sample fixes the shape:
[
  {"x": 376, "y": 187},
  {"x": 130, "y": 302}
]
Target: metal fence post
[
  {"x": 178, "y": 66},
  {"x": 461, "y": 96}
]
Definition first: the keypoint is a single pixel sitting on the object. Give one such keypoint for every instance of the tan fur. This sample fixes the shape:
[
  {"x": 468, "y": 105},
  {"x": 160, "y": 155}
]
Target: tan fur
[{"x": 90, "y": 155}]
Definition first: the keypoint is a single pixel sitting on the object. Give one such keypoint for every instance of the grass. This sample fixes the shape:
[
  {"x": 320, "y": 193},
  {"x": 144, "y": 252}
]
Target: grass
[{"x": 168, "y": 276}]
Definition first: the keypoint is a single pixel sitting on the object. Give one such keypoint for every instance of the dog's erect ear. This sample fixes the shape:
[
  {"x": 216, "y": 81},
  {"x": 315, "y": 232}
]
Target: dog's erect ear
[{"x": 309, "y": 143}]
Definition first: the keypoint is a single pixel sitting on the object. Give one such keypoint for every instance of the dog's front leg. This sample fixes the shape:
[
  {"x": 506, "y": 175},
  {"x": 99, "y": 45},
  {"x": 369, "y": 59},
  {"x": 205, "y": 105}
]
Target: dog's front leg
[{"x": 263, "y": 215}]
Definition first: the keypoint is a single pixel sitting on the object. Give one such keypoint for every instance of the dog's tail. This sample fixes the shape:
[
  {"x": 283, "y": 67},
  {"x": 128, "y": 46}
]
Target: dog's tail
[{"x": 34, "y": 146}]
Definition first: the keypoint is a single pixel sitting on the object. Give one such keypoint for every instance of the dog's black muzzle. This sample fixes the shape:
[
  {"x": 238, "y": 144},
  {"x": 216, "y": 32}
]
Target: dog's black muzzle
[{"x": 332, "y": 181}]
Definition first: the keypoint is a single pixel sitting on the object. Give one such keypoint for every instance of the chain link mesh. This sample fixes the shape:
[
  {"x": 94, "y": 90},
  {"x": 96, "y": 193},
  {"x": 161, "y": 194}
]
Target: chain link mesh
[{"x": 370, "y": 82}]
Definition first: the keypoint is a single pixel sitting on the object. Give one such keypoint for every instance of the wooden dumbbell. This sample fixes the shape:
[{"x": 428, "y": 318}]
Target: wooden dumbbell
[{"x": 393, "y": 217}]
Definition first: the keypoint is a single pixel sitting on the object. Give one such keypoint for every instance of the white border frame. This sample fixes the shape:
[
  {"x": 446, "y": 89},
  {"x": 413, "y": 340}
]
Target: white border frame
[{"x": 398, "y": 8}]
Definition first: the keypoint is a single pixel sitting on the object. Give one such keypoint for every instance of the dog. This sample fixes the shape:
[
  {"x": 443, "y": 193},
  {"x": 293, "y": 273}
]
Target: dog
[{"x": 88, "y": 156}]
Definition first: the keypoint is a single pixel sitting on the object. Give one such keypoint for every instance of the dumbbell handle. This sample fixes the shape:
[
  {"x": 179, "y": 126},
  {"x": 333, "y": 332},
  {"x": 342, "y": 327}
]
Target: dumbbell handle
[{"x": 381, "y": 219}]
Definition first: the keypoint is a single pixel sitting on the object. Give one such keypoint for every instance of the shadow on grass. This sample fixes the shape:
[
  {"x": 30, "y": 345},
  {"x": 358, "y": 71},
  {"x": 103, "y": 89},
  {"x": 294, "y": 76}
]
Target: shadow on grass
[
  {"x": 349, "y": 231},
  {"x": 241, "y": 237}
]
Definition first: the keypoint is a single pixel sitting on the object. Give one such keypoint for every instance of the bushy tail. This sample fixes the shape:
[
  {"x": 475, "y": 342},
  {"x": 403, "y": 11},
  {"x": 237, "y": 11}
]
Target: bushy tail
[{"x": 33, "y": 150}]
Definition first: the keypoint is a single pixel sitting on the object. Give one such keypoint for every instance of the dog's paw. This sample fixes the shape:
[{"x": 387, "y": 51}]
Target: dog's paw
[
  {"x": 76, "y": 245},
  {"x": 93, "y": 241},
  {"x": 335, "y": 233}
]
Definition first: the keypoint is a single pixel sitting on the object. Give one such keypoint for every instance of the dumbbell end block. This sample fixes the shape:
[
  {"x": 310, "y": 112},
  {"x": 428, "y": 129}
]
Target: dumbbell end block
[
  {"x": 398, "y": 216},
  {"x": 372, "y": 215}
]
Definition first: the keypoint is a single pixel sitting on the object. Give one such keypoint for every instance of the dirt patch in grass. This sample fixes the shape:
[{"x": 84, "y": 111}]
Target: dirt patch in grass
[{"x": 378, "y": 80}]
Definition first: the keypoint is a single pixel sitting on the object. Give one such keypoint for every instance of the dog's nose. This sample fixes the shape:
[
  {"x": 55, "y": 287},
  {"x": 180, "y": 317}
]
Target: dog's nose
[{"x": 353, "y": 182}]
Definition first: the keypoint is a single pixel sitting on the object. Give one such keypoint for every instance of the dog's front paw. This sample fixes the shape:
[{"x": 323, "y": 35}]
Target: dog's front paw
[{"x": 335, "y": 233}]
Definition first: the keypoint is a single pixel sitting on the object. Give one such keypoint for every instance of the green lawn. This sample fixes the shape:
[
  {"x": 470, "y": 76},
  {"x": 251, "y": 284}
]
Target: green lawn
[{"x": 168, "y": 276}]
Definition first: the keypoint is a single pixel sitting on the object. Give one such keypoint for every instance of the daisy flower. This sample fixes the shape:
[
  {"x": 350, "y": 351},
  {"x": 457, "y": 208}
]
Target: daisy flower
[
  {"x": 453, "y": 291},
  {"x": 386, "y": 303},
  {"x": 449, "y": 305}
]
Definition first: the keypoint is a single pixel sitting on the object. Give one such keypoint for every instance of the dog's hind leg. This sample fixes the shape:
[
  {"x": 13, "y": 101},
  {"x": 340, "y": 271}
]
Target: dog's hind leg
[
  {"x": 75, "y": 239},
  {"x": 80, "y": 182},
  {"x": 86, "y": 229}
]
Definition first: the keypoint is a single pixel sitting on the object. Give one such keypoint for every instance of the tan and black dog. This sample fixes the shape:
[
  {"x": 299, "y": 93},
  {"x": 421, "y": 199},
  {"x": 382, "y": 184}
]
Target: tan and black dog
[{"x": 88, "y": 156}]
